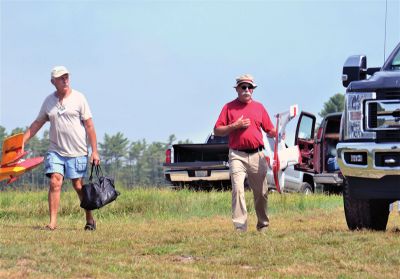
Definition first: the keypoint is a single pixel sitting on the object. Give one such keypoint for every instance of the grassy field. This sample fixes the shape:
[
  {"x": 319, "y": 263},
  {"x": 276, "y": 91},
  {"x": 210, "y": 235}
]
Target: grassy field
[{"x": 160, "y": 233}]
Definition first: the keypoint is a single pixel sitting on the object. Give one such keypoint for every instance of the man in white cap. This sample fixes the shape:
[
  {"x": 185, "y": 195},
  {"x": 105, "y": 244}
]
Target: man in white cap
[
  {"x": 242, "y": 119},
  {"x": 71, "y": 131}
]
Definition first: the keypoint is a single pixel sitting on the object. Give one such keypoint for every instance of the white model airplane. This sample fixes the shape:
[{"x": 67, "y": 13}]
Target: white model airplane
[{"x": 280, "y": 156}]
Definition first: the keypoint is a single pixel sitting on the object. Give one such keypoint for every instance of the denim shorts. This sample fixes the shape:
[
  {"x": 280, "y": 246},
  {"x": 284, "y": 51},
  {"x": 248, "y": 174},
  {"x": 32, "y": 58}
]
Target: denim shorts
[{"x": 69, "y": 167}]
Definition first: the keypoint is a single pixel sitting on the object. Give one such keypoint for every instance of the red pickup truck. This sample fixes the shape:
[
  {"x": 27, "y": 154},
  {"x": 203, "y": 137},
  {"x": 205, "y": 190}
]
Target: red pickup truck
[{"x": 318, "y": 151}]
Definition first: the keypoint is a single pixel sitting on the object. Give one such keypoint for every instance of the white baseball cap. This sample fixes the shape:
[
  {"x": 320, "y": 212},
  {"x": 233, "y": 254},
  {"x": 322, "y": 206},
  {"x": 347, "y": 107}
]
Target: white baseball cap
[{"x": 58, "y": 71}]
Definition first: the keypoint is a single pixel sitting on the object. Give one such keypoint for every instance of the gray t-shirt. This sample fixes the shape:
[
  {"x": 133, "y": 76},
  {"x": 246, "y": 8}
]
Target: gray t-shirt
[{"x": 67, "y": 132}]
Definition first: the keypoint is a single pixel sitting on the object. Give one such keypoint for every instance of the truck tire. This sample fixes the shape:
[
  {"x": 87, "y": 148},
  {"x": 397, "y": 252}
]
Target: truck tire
[
  {"x": 332, "y": 189},
  {"x": 365, "y": 214},
  {"x": 306, "y": 188},
  {"x": 326, "y": 189}
]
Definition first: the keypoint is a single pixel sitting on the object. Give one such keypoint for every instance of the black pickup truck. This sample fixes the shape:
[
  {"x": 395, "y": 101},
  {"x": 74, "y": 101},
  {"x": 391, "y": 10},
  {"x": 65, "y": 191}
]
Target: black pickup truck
[
  {"x": 369, "y": 144},
  {"x": 200, "y": 165}
]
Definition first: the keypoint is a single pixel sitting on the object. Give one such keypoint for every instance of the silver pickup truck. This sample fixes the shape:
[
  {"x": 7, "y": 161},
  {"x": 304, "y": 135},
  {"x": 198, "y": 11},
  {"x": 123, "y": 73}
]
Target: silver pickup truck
[{"x": 369, "y": 143}]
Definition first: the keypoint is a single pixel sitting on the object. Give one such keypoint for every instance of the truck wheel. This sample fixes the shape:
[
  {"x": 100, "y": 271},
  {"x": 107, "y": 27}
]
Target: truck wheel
[
  {"x": 177, "y": 186},
  {"x": 332, "y": 189},
  {"x": 306, "y": 188},
  {"x": 364, "y": 214},
  {"x": 325, "y": 189}
]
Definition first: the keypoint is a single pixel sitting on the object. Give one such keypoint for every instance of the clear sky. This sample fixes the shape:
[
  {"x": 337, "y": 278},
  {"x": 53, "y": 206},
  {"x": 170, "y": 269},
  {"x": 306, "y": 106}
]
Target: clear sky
[{"x": 154, "y": 68}]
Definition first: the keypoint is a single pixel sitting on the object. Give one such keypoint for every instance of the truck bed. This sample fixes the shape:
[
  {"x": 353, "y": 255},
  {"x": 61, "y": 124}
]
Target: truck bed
[
  {"x": 199, "y": 164},
  {"x": 200, "y": 152}
]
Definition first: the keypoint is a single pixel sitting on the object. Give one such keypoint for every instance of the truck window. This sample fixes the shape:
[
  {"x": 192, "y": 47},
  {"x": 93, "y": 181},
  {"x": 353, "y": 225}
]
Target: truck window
[
  {"x": 217, "y": 139},
  {"x": 333, "y": 126},
  {"x": 396, "y": 62},
  {"x": 306, "y": 128}
]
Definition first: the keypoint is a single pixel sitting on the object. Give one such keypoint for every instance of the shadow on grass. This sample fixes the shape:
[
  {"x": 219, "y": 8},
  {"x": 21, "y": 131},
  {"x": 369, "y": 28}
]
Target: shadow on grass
[{"x": 38, "y": 228}]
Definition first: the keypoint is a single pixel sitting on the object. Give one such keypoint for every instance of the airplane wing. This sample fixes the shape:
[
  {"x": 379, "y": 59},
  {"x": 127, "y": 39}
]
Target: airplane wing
[
  {"x": 10, "y": 173},
  {"x": 15, "y": 170}
]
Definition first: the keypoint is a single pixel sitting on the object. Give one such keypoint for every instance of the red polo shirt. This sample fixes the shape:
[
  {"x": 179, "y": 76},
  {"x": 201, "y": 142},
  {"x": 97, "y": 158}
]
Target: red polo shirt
[{"x": 250, "y": 137}]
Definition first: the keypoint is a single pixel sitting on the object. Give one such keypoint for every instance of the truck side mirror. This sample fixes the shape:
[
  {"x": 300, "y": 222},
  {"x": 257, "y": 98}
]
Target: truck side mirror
[{"x": 355, "y": 68}]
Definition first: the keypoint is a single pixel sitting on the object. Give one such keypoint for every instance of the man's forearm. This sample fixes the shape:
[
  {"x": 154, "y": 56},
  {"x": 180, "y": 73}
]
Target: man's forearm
[
  {"x": 224, "y": 130},
  {"x": 92, "y": 138},
  {"x": 91, "y": 135},
  {"x": 32, "y": 130}
]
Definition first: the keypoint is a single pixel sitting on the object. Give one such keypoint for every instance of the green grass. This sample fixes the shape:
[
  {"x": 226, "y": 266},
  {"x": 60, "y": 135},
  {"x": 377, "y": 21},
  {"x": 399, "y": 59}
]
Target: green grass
[{"x": 160, "y": 233}]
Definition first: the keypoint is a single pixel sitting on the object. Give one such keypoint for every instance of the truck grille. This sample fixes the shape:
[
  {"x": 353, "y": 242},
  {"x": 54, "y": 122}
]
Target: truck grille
[
  {"x": 372, "y": 111},
  {"x": 387, "y": 136},
  {"x": 387, "y": 95},
  {"x": 383, "y": 117}
]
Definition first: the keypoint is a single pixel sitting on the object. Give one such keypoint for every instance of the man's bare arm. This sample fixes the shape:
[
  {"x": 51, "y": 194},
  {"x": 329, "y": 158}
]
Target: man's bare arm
[
  {"x": 89, "y": 126},
  {"x": 33, "y": 129}
]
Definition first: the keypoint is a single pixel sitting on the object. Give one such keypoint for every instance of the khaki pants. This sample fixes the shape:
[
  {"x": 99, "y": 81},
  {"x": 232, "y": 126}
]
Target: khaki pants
[{"x": 255, "y": 167}]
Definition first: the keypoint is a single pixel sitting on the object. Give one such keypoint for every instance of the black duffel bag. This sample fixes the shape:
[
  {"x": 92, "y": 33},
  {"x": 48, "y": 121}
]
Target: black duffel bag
[{"x": 98, "y": 193}]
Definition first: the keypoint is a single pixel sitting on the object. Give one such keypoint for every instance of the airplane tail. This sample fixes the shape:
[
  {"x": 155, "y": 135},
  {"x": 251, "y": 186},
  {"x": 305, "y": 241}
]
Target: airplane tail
[
  {"x": 12, "y": 164},
  {"x": 13, "y": 149}
]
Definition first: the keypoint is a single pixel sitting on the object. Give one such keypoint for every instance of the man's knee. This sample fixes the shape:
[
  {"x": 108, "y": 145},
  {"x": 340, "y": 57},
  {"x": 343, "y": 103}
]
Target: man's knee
[
  {"x": 237, "y": 180},
  {"x": 56, "y": 181}
]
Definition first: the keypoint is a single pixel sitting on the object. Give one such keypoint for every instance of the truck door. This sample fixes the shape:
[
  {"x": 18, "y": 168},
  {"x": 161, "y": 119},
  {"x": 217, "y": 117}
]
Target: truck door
[{"x": 304, "y": 138}]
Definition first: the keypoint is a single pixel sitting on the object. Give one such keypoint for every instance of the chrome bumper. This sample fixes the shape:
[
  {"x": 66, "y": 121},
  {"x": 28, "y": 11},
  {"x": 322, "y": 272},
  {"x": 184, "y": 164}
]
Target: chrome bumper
[
  {"x": 183, "y": 176},
  {"x": 370, "y": 170},
  {"x": 328, "y": 178}
]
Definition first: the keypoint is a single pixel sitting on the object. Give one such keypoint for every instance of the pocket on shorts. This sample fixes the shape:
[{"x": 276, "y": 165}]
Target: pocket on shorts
[
  {"x": 50, "y": 160},
  {"x": 81, "y": 164}
]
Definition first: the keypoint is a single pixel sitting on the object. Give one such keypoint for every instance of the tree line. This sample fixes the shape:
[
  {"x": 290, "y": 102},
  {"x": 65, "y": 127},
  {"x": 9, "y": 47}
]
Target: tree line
[{"x": 131, "y": 163}]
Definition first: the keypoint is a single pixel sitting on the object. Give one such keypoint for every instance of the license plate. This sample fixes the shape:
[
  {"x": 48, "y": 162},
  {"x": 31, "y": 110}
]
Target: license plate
[{"x": 200, "y": 173}]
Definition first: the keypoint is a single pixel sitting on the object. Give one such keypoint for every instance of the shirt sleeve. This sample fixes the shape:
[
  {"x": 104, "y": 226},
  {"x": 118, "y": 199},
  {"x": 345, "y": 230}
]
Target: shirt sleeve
[
  {"x": 42, "y": 116},
  {"x": 223, "y": 118},
  {"x": 85, "y": 109},
  {"x": 266, "y": 121}
]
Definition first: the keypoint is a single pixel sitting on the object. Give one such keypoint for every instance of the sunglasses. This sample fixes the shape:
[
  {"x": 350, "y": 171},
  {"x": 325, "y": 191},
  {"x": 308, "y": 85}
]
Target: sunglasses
[{"x": 244, "y": 87}]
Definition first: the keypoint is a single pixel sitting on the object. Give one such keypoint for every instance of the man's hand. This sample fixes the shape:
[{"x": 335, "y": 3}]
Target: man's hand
[
  {"x": 95, "y": 158},
  {"x": 238, "y": 124},
  {"x": 241, "y": 123}
]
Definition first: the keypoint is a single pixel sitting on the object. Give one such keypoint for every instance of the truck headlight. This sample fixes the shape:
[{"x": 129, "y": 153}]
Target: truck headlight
[{"x": 354, "y": 113}]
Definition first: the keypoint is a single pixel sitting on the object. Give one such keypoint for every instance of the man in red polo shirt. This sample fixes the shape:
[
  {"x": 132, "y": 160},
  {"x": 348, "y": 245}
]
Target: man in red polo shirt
[{"x": 242, "y": 119}]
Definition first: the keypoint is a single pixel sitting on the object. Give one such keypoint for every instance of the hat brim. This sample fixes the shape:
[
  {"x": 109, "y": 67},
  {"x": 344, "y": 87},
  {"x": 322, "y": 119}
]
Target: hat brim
[{"x": 244, "y": 81}]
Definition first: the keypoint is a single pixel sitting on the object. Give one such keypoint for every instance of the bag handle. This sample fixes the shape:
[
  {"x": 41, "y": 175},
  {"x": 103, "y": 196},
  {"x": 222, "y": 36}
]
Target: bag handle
[
  {"x": 97, "y": 170},
  {"x": 91, "y": 173}
]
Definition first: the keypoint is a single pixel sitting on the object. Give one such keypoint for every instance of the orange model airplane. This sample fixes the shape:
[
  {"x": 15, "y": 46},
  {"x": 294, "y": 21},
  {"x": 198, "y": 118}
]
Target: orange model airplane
[{"x": 12, "y": 163}]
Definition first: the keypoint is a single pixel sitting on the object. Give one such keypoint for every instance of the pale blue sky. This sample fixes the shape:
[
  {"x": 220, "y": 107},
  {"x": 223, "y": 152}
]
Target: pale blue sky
[{"x": 154, "y": 68}]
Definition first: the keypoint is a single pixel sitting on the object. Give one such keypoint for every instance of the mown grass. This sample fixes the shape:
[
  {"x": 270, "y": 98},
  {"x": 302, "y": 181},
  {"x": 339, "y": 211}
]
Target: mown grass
[{"x": 161, "y": 233}]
